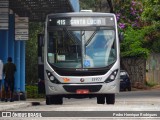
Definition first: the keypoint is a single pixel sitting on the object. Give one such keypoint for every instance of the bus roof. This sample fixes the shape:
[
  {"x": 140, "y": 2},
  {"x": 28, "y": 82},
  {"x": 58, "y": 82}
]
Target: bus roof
[{"x": 77, "y": 14}]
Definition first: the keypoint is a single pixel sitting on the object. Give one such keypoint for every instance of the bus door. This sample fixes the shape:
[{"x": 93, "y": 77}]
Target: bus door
[{"x": 41, "y": 85}]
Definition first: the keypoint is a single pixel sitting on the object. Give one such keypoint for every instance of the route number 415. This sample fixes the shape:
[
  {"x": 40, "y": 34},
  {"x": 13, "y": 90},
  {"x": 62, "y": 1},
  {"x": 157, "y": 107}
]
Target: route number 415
[{"x": 61, "y": 22}]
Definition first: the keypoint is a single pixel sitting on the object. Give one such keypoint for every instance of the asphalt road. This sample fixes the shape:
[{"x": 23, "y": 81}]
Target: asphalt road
[{"x": 128, "y": 105}]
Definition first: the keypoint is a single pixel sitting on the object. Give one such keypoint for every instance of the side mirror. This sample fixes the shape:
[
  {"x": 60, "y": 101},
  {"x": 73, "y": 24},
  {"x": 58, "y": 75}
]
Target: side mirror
[{"x": 121, "y": 36}]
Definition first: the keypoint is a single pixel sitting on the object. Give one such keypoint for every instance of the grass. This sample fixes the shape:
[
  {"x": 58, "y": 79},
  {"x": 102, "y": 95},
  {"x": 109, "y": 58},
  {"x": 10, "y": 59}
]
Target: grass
[{"x": 151, "y": 83}]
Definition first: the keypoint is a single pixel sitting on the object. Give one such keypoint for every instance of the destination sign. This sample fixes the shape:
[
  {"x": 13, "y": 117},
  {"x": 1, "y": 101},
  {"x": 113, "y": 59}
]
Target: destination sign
[{"x": 82, "y": 21}]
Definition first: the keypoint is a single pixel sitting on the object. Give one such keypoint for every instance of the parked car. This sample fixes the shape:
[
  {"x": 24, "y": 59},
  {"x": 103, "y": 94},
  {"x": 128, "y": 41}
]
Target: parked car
[{"x": 125, "y": 82}]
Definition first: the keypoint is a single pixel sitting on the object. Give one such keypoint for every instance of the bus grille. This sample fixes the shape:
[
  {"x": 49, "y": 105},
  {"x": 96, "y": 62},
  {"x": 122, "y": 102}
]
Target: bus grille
[
  {"x": 91, "y": 88},
  {"x": 80, "y": 73}
]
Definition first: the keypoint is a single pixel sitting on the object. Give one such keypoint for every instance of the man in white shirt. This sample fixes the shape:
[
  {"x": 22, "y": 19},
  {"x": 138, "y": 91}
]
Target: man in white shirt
[{"x": 1, "y": 75}]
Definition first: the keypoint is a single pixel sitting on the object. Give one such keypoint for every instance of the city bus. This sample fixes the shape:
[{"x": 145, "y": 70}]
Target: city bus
[{"x": 81, "y": 57}]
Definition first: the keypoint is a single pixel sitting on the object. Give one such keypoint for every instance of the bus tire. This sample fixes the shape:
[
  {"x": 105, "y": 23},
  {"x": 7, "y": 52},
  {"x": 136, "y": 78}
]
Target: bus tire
[
  {"x": 110, "y": 98},
  {"x": 101, "y": 99},
  {"x": 57, "y": 100}
]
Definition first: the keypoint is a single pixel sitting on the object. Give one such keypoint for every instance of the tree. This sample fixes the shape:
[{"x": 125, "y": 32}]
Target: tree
[
  {"x": 32, "y": 54},
  {"x": 133, "y": 44},
  {"x": 151, "y": 11},
  {"x": 110, "y": 5},
  {"x": 128, "y": 13},
  {"x": 139, "y": 20},
  {"x": 151, "y": 17},
  {"x": 97, "y": 5}
]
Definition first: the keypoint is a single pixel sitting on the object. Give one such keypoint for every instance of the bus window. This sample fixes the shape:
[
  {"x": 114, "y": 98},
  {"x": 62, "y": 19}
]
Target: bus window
[
  {"x": 63, "y": 50},
  {"x": 100, "y": 47}
]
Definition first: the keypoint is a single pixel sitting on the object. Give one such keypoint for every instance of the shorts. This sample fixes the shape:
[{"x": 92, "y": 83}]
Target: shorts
[{"x": 9, "y": 84}]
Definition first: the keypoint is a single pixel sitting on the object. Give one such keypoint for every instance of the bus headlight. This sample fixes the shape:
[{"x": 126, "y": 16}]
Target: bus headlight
[
  {"x": 112, "y": 76},
  {"x": 52, "y": 78}
]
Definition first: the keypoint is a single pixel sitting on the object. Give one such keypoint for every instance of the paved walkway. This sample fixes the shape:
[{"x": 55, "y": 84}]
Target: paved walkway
[{"x": 4, "y": 106}]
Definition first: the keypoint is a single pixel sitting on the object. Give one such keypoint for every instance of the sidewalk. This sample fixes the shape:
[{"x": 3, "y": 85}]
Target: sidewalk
[{"x": 5, "y": 106}]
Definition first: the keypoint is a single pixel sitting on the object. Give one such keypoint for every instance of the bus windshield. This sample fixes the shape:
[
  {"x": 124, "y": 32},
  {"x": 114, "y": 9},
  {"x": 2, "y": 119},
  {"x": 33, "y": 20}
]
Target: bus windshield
[{"x": 81, "y": 49}]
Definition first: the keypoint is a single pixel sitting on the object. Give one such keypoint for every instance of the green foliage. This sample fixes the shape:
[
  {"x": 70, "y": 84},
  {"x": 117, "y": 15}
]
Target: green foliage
[
  {"x": 151, "y": 83},
  {"x": 140, "y": 42},
  {"x": 156, "y": 46},
  {"x": 32, "y": 92},
  {"x": 128, "y": 13},
  {"x": 151, "y": 10},
  {"x": 32, "y": 54},
  {"x": 87, "y": 4},
  {"x": 94, "y": 5},
  {"x": 152, "y": 37},
  {"x": 132, "y": 45},
  {"x": 151, "y": 16},
  {"x": 145, "y": 39}
]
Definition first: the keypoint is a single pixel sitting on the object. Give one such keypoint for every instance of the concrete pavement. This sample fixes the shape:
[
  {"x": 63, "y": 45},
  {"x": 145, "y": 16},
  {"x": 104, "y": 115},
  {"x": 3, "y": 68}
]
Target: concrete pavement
[{"x": 4, "y": 106}]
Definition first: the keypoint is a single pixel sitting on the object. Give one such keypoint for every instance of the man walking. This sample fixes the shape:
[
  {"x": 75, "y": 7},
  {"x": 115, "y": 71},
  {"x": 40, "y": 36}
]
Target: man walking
[
  {"x": 9, "y": 70},
  {"x": 1, "y": 74}
]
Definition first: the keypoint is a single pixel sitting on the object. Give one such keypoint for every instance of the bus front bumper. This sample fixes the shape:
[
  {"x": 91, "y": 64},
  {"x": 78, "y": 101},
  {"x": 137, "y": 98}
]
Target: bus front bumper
[{"x": 98, "y": 88}]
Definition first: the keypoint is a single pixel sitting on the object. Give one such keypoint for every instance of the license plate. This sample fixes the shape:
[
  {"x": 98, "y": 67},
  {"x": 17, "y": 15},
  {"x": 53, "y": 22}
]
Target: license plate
[{"x": 80, "y": 91}]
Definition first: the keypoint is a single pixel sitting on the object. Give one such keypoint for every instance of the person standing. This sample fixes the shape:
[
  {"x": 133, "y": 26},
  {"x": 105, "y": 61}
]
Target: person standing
[
  {"x": 9, "y": 70},
  {"x": 1, "y": 75}
]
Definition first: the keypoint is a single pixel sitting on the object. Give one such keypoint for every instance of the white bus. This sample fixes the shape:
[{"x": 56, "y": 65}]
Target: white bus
[{"x": 81, "y": 57}]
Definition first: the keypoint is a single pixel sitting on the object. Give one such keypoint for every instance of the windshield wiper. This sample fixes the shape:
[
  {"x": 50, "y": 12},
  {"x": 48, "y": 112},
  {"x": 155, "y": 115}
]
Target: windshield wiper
[
  {"x": 89, "y": 40},
  {"x": 73, "y": 37}
]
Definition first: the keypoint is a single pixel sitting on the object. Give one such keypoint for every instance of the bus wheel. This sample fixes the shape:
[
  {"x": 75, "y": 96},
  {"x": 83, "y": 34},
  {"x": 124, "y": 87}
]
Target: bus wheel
[
  {"x": 57, "y": 100},
  {"x": 110, "y": 98},
  {"x": 48, "y": 100},
  {"x": 101, "y": 99}
]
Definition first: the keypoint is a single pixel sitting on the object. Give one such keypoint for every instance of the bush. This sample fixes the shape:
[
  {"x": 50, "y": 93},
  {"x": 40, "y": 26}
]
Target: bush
[
  {"x": 133, "y": 44},
  {"x": 32, "y": 92},
  {"x": 151, "y": 83}
]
